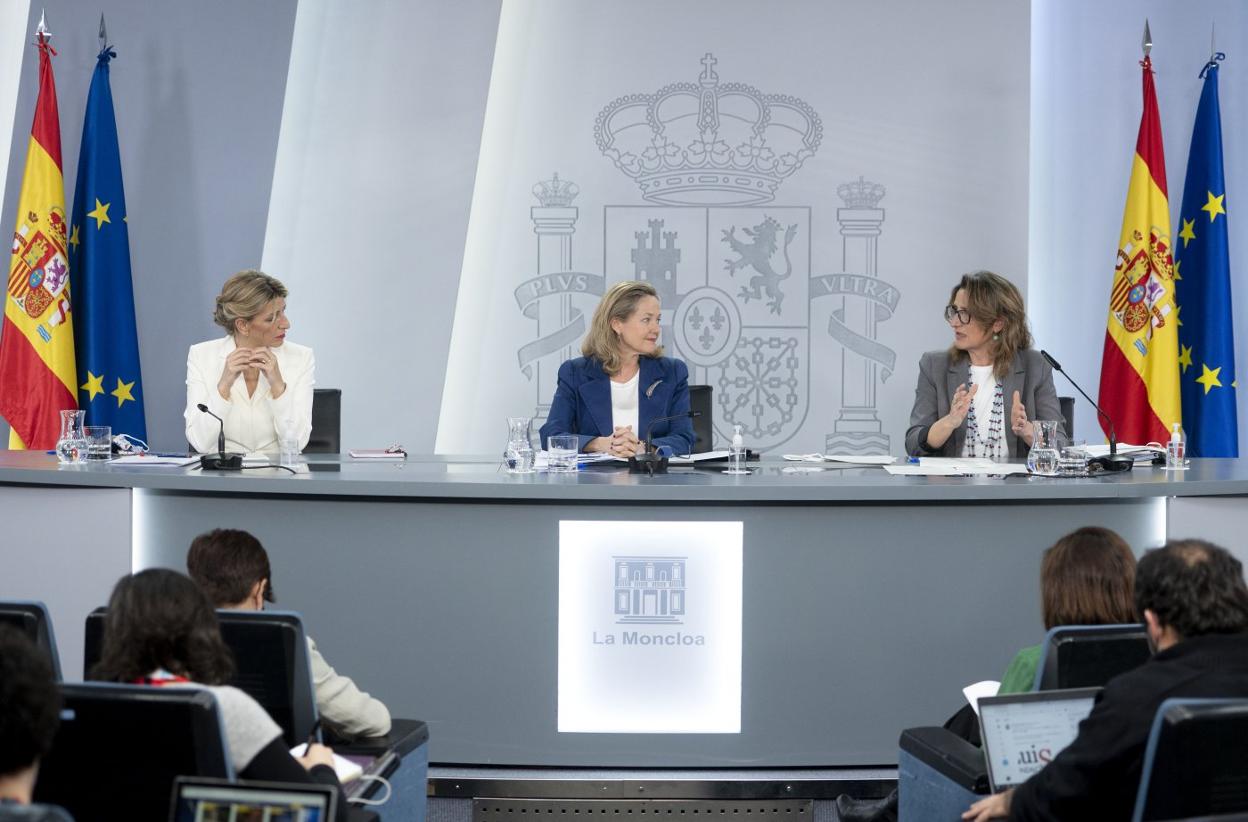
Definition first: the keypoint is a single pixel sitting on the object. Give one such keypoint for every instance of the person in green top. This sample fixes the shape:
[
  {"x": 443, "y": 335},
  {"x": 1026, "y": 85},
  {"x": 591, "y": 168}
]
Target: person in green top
[{"x": 1086, "y": 578}]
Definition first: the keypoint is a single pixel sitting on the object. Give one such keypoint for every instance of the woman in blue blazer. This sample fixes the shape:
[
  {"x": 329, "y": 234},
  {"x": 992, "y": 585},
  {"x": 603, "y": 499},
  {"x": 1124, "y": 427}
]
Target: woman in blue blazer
[{"x": 609, "y": 397}]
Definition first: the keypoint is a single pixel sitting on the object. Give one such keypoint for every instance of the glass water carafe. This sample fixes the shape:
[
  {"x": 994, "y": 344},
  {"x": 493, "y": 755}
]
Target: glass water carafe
[
  {"x": 1045, "y": 447},
  {"x": 519, "y": 453},
  {"x": 71, "y": 445}
]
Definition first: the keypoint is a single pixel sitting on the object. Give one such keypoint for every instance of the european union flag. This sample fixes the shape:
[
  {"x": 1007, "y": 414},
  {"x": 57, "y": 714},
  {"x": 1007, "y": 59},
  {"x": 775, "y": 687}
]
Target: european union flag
[
  {"x": 1203, "y": 273},
  {"x": 110, "y": 387}
]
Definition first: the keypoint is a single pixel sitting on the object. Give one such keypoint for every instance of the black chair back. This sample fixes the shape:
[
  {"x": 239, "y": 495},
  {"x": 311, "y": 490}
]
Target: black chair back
[
  {"x": 1067, "y": 405},
  {"x": 272, "y": 665},
  {"x": 1088, "y": 656},
  {"x": 32, "y": 619},
  {"x": 119, "y": 748},
  {"x": 326, "y": 422},
  {"x": 1196, "y": 761},
  {"x": 704, "y": 423},
  {"x": 270, "y": 662}
]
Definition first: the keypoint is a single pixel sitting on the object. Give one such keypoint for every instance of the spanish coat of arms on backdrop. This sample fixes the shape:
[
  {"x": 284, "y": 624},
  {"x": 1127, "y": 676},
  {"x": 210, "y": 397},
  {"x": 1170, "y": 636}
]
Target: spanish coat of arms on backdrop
[{"x": 732, "y": 267}]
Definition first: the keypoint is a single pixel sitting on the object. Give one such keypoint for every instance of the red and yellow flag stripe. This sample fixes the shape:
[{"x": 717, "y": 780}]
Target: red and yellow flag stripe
[
  {"x": 37, "y": 337},
  {"x": 1140, "y": 364}
]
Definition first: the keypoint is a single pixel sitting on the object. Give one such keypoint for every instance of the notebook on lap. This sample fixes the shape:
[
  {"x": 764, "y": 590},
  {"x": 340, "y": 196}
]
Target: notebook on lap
[
  {"x": 218, "y": 800},
  {"x": 1023, "y": 732}
]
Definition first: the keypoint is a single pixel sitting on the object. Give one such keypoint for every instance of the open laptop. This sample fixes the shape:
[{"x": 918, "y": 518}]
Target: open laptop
[
  {"x": 1023, "y": 732},
  {"x": 197, "y": 799}
]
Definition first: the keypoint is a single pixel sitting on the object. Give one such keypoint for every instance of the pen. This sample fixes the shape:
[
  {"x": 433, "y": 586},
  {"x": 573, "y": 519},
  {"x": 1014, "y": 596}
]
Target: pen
[
  {"x": 912, "y": 460},
  {"x": 312, "y": 736}
]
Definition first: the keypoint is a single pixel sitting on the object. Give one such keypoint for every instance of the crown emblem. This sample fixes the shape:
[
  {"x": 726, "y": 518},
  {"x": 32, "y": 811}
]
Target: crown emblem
[
  {"x": 708, "y": 143},
  {"x": 860, "y": 194},
  {"x": 556, "y": 192}
]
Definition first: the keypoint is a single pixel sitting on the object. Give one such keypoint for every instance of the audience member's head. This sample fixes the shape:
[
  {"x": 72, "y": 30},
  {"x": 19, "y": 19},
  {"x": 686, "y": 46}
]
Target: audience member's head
[
  {"x": 1190, "y": 588},
  {"x": 1086, "y": 578},
  {"x": 232, "y": 568},
  {"x": 159, "y": 619},
  {"x": 30, "y": 705}
]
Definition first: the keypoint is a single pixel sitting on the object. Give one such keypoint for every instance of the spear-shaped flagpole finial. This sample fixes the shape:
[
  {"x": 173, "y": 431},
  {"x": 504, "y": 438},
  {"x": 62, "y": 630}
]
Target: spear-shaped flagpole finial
[
  {"x": 41, "y": 30},
  {"x": 1148, "y": 39},
  {"x": 103, "y": 33}
]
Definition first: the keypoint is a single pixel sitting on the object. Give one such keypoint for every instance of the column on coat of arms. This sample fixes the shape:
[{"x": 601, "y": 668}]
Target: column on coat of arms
[{"x": 858, "y": 429}]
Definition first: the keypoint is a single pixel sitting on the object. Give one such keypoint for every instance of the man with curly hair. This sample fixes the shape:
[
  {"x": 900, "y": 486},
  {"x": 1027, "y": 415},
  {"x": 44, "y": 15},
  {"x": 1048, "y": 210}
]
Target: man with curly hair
[{"x": 30, "y": 707}]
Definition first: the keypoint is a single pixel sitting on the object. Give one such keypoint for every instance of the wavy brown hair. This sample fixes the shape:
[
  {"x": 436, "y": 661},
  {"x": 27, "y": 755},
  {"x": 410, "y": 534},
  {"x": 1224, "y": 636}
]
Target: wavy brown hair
[
  {"x": 991, "y": 297},
  {"x": 1088, "y": 578},
  {"x": 619, "y": 303},
  {"x": 161, "y": 619}
]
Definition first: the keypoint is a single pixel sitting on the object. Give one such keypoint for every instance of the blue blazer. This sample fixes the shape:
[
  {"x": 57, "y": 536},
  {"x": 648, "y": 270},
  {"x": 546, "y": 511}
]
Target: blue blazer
[{"x": 582, "y": 403}]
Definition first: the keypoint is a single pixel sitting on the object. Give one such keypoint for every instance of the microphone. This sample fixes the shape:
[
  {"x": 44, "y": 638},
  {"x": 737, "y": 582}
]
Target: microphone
[
  {"x": 1114, "y": 461},
  {"x": 219, "y": 461},
  {"x": 650, "y": 462}
]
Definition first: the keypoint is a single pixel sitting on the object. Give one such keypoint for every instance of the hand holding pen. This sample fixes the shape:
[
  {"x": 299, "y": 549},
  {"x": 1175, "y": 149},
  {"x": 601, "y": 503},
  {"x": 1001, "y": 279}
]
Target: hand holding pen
[{"x": 314, "y": 753}]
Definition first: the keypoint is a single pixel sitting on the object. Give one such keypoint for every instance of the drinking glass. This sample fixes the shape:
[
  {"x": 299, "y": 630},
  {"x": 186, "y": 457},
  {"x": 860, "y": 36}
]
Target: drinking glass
[
  {"x": 562, "y": 453},
  {"x": 1074, "y": 460},
  {"x": 99, "y": 442}
]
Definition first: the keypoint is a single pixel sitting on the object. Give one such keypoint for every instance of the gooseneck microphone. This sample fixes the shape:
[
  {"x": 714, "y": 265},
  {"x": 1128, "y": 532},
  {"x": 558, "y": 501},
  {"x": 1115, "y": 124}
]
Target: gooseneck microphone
[
  {"x": 219, "y": 461},
  {"x": 650, "y": 462},
  {"x": 1114, "y": 461}
]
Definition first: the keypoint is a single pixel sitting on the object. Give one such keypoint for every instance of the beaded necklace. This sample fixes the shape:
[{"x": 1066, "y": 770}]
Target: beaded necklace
[{"x": 988, "y": 446}]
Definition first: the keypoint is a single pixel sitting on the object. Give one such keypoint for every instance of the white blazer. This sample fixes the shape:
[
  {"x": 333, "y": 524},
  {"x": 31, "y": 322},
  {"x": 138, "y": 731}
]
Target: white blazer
[{"x": 252, "y": 423}]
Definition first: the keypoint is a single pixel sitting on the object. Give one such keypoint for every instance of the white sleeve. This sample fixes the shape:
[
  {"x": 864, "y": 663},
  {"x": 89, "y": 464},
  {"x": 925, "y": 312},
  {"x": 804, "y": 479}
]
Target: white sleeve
[
  {"x": 201, "y": 429},
  {"x": 295, "y": 404},
  {"x": 344, "y": 707}
]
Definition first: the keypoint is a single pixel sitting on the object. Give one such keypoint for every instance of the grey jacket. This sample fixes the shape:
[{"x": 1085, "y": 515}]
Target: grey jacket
[{"x": 939, "y": 378}]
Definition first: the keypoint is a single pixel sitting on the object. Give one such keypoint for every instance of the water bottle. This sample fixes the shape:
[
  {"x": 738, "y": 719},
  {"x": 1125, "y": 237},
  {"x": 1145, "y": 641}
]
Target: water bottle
[
  {"x": 1176, "y": 450},
  {"x": 736, "y": 453},
  {"x": 288, "y": 446}
]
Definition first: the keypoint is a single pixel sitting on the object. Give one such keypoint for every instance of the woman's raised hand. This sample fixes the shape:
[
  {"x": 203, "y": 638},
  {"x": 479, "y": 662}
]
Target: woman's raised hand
[{"x": 961, "y": 404}]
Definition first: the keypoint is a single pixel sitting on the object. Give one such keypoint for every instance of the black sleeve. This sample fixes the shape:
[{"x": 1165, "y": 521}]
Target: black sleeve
[{"x": 275, "y": 764}]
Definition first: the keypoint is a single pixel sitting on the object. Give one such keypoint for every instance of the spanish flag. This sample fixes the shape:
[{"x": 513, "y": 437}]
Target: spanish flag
[
  {"x": 37, "y": 340},
  {"x": 1140, "y": 364}
]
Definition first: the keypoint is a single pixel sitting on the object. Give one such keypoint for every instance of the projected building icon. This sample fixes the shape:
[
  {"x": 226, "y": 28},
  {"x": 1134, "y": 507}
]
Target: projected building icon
[{"x": 650, "y": 590}]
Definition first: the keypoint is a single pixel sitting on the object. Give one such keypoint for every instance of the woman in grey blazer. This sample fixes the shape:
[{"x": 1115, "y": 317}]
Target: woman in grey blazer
[{"x": 978, "y": 398}]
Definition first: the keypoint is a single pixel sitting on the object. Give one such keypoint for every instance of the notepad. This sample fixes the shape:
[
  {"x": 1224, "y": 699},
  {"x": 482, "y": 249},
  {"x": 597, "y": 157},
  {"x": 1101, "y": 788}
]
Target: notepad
[
  {"x": 150, "y": 460},
  {"x": 346, "y": 770}
]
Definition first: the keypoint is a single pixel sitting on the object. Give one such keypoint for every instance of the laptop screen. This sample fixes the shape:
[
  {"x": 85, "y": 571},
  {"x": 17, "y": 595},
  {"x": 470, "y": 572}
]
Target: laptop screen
[
  {"x": 1023, "y": 732},
  {"x": 218, "y": 800}
]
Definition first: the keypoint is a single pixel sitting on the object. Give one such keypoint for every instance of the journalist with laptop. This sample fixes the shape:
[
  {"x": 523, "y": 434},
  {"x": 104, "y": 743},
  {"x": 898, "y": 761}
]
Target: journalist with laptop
[{"x": 1192, "y": 597}]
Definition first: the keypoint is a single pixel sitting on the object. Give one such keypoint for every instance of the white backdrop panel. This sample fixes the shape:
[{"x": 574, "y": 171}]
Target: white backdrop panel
[{"x": 927, "y": 103}]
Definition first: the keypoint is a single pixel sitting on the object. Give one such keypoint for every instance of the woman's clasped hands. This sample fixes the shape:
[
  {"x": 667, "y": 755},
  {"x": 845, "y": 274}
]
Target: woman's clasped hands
[
  {"x": 622, "y": 443},
  {"x": 251, "y": 361}
]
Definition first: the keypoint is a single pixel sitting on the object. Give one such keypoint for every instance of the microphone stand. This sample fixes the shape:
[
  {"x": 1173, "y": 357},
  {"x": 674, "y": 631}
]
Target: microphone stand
[
  {"x": 651, "y": 462},
  {"x": 220, "y": 461},
  {"x": 1112, "y": 462}
]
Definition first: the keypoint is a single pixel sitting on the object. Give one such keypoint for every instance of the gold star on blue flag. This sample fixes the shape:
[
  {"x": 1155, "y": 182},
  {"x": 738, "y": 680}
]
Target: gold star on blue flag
[
  {"x": 105, "y": 334},
  {"x": 1206, "y": 334}
]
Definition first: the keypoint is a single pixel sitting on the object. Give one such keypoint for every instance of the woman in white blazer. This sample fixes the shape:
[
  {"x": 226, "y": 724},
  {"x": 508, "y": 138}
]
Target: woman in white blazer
[{"x": 254, "y": 380}]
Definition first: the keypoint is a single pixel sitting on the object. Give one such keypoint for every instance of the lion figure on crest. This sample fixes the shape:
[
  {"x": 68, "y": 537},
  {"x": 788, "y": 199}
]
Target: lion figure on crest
[{"x": 757, "y": 253}]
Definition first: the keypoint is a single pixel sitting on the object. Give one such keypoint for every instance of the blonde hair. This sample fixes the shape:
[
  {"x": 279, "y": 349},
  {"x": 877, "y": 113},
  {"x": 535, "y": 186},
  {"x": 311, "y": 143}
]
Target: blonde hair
[
  {"x": 619, "y": 303},
  {"x": 991, "y": 297},
  {"x": 244, "y": 296}
]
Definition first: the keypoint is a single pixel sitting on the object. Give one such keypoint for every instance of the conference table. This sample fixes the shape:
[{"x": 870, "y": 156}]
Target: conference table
[{"x": 850, "y": 603}]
